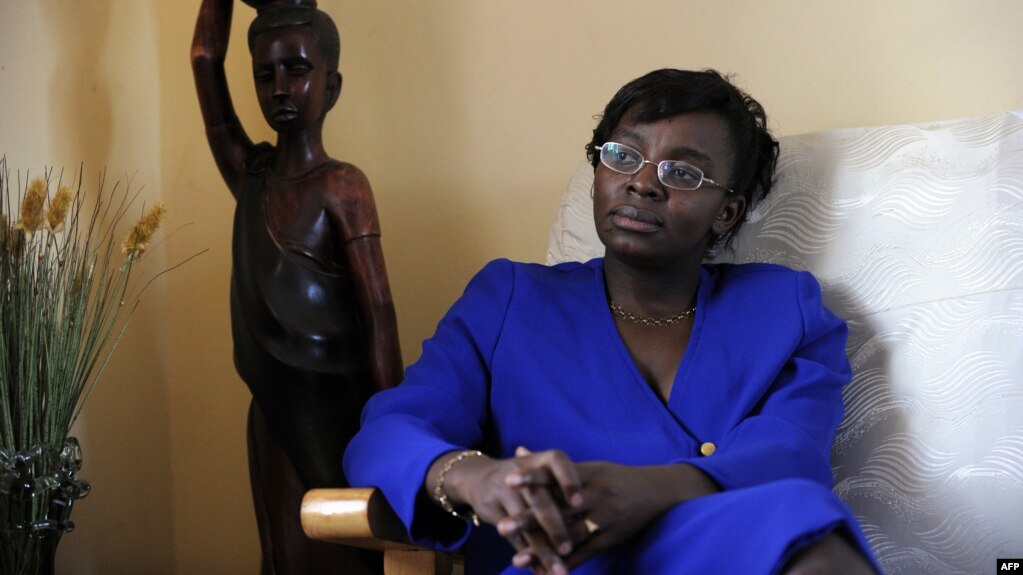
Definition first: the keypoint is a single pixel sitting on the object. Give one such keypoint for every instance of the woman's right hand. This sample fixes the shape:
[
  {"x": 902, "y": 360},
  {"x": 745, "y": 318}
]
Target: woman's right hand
[{"x": 532, "y": 518}]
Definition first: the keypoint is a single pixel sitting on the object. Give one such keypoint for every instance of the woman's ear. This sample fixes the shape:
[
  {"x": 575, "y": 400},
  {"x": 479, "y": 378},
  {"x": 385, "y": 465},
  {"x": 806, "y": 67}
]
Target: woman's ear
[{"x": 733, "y": 208}]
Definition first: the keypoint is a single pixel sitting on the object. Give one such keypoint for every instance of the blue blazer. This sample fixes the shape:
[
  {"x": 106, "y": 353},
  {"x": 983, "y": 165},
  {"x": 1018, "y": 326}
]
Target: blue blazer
[{"x": 530, "y": 356}]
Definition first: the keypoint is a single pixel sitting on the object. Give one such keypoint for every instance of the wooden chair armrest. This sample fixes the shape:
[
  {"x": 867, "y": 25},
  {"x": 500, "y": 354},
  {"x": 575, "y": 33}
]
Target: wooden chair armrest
[{"x": 359, "y": 517}]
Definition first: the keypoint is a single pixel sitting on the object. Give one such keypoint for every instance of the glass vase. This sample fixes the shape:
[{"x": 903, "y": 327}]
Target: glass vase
[{"x": 38, "y": 487}]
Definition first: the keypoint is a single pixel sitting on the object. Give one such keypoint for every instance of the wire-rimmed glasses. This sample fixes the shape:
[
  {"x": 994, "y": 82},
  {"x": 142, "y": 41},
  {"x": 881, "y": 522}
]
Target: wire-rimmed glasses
[{"x": 672, "y": 173}]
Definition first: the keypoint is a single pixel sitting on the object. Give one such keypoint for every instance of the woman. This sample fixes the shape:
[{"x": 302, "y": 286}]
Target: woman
[{"x": 644, "y": 412}]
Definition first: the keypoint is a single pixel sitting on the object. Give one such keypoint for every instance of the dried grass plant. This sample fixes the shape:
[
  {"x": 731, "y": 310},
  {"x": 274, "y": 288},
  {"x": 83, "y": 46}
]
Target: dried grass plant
[
  {"x": 67, "y": 290},
  {"x": 65, "y": 300}
]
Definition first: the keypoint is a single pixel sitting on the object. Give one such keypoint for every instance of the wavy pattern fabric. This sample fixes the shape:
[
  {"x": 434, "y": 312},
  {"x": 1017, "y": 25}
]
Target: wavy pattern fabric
[{"x": 916, "y": 234}]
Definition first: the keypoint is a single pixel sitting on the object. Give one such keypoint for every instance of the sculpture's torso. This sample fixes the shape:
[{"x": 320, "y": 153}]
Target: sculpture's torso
[{"x": 296, "y": 325}]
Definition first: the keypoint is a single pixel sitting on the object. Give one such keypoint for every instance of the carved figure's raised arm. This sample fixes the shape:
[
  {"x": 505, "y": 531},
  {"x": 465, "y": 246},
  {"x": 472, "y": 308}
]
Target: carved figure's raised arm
[{"x": 228, "y": 140}]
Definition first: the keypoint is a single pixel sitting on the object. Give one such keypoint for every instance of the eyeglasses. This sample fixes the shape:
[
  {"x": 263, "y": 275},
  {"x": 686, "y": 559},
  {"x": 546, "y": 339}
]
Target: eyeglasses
[{"x": 671, "y": 173}]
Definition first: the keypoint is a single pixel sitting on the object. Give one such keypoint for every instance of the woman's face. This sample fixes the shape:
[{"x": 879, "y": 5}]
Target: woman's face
[
  {"x": 293, "y": 86},
  {"x": 640, "y": 219}
]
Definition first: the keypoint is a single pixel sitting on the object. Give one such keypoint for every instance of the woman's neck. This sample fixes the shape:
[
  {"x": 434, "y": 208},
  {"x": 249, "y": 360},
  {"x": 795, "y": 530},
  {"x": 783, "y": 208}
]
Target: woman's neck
[{"x": 652, "y": 291}]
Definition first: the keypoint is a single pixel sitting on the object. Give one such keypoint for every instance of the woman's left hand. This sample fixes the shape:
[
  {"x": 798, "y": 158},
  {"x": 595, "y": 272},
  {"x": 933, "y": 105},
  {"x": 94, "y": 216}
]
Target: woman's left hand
[{"x": 617, "y": 501}]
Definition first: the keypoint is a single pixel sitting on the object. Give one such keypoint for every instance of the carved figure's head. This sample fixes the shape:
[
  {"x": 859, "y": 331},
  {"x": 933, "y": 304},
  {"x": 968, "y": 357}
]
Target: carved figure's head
[
  {"x": 274, "y": 15},
  {"x": 295, "y": 53}
]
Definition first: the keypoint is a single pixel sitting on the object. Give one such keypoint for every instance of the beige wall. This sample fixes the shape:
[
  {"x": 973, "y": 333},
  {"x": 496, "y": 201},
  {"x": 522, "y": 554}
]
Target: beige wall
[{"x": 468, "y": 117}]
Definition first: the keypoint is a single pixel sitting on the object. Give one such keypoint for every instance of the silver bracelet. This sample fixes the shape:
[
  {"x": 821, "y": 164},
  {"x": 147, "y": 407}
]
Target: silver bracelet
[{"x": 442, "y": 497}]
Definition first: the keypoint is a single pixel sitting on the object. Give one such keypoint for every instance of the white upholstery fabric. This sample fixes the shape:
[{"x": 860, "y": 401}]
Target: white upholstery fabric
[
  {"x": 573, "y": 236},
  {"x": 916, "y": 234}
]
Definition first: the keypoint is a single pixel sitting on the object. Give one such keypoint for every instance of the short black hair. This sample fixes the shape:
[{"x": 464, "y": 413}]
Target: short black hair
[
  {"x": 277, "y": 16},
  {"x": 667, "y": 93}
]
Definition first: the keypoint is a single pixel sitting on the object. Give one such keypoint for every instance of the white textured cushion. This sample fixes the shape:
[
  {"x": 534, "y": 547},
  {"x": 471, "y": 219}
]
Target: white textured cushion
[
  {"x": 916, "y": 234},
  {"x": 573, "y": 235}
]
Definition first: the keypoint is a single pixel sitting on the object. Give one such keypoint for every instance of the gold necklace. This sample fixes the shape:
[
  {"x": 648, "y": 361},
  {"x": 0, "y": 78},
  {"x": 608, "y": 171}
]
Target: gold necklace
[{"x": 659, "y": 322}]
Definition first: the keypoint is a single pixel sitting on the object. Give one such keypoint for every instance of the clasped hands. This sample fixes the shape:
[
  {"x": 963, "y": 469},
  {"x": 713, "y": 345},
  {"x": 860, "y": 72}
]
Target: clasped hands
[{"x": 557, "y": 513}]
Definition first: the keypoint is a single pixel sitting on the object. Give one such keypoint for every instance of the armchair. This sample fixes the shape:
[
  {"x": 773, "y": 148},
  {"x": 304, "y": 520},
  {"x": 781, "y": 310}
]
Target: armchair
[{"x": 916, "y": 235}]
